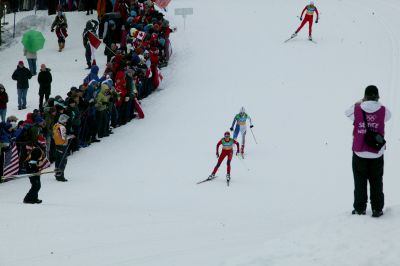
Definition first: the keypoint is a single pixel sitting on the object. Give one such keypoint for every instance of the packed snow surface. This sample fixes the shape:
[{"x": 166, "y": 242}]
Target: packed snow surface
[{"x": 133, "y": 200}]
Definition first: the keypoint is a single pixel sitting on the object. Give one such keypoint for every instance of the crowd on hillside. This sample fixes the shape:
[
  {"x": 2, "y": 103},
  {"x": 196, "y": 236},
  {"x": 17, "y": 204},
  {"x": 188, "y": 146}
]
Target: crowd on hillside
[{"x": 136, "y": 36}]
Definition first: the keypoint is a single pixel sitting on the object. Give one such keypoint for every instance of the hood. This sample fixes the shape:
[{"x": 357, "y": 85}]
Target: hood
[
  {"x": 94, "y": 70},
  {"x": 104, "y": 88},
  {"x": 371, "y": 106}
]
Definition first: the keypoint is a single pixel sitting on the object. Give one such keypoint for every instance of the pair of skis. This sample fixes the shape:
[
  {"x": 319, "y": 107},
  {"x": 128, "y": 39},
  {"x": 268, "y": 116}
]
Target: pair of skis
[
  {"x": 228, "y": 179},
  {"x": 292, "y": 37}
]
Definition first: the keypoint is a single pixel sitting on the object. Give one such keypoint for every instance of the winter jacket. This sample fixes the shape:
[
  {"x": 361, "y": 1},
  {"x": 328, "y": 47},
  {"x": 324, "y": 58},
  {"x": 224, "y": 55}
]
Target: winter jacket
[
  {"x": 91, "y": 26},
  {"x": 30, "y": 55},
  {"x": 45, "y": 78},
  {"x": 102, "y": 98},
  {"x": 3, "y": 100},
  {"x": 22, "y": 76},
  {"x": 368, "y": 107},
  {"x": 93, "y": 75},
  {"x": 59, "y": 22},
  {"x": 49, "y": 118},
  {"x": 75, "y": 116},
  {"x": 5, "y": 135}
]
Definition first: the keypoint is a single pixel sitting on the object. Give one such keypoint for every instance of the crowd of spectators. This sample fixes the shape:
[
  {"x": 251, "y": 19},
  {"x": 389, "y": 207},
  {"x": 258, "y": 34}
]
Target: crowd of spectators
[{"x": 137, "y": 45}]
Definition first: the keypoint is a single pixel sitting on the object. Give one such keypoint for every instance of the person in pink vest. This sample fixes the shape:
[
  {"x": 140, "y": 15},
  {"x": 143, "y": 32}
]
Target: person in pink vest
[{"x": 367, "y": 161}]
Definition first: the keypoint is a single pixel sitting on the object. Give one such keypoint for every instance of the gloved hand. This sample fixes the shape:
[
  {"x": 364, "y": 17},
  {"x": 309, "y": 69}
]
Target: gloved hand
[
  {"x": 231, "y": 129},
  {"x": 251, "y": 126},
  {"x": 52, "y": 30},
  {"x": 217, "y": 155},
  {"x": 301, "y": 18},
  {"x": 316, "y": 21}
]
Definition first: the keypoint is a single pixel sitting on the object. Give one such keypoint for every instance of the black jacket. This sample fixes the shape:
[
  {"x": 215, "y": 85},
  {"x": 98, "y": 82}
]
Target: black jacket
[
  {"x": 45, "y": 79},
  {"x": 22, "y": 76}
]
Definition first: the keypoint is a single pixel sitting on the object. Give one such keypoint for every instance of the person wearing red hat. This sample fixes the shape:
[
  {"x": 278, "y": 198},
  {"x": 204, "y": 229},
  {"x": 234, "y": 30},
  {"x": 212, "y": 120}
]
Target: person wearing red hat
[
  {"x": 22, "y": 76},
  {"x": 227, "y": 151}
]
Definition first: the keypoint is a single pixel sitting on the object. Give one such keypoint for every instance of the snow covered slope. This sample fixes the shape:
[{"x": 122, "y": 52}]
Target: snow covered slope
[{"x": 132, "y": 199}]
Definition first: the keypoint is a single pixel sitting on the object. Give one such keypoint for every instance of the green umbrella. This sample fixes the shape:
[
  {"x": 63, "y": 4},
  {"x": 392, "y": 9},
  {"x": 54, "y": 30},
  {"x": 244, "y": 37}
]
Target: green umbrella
[{"x": 33, "y": 41}]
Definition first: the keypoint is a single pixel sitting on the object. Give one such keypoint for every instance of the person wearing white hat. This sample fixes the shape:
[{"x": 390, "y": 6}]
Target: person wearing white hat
[
  {"x": 311, "y": 8},
  {"x": 61, "y": 140}
]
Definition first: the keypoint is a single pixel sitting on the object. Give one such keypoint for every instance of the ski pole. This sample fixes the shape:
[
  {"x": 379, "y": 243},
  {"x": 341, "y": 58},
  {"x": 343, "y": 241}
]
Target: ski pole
[
  {"x": 64, "y": 155},
  {"x": 27, "y": 175},
  {"x": 253, "y": 135}
]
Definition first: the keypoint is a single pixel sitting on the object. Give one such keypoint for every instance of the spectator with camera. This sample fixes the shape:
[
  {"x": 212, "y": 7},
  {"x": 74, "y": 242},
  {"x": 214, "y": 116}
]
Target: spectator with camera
[{"x": 369, "y": 117}]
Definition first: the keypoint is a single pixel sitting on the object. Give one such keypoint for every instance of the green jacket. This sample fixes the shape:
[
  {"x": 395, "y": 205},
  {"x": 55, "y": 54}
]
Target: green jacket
[{"x": 102, "y": 98}]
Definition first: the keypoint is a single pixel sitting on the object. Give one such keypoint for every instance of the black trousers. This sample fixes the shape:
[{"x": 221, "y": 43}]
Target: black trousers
[
  {"x": 43, "y": 96},
  {"x": 88, "y": 54},
  {"x": 32, "y": 195},
  {"x": 365, "y": 170},
  {"x": 61, "y": 160}
]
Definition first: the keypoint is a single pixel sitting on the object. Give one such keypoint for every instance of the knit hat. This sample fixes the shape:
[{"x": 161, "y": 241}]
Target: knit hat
[
  {"x": 63, "y": 118},
  {"x": 21, "y": 63},
  {"x": 371, "y": 93}
]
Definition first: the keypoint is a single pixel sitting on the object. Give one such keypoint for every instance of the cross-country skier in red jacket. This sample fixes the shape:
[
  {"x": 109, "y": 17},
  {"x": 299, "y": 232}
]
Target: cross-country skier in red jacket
[
  {"x": 311, "y": 8},
  {"x": 227, "y": 151}
]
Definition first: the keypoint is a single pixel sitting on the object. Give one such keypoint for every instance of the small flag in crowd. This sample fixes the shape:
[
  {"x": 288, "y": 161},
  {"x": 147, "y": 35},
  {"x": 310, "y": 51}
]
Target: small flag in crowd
[
  {"x": 162, "y": 3},
  {"x": 141, "y": 35},
  {"x": 11, "y": 161},
  {"x": 94, "y": 40}
]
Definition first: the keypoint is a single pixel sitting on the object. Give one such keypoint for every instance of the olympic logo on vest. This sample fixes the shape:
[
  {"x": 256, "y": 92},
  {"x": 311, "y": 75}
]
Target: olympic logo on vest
[{"x": 371, "y": 118}]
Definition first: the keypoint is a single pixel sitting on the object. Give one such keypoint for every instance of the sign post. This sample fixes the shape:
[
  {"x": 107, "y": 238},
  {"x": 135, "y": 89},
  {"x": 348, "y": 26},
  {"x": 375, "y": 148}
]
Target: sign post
[{"x": 184, "y": 12}]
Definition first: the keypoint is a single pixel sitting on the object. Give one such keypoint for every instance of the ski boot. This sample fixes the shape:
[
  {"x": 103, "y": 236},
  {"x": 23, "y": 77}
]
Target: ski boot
[
  {"x": 228, "y": 178},
  {"x": 211, "y": 177},
  {"x": 293, "y": 35},
  {"x": 310, "y": 38}
]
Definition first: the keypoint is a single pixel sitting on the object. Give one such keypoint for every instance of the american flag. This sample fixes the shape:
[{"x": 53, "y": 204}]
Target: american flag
[
  {"x": 43, "y": 161},
  {"x": 11, "y": 161}
]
